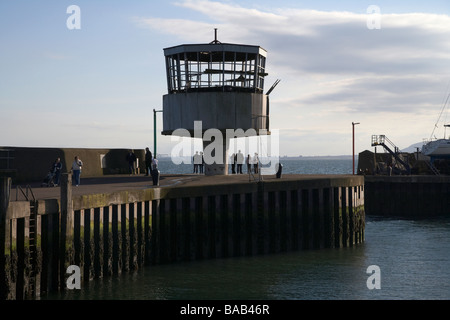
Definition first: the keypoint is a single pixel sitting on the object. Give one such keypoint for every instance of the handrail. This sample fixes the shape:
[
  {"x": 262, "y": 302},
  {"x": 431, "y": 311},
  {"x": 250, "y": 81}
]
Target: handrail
[
  {"x": 380, "y": 140},
  {"x": 27, "y": 188},
  {"x": 7, "y": 154}
]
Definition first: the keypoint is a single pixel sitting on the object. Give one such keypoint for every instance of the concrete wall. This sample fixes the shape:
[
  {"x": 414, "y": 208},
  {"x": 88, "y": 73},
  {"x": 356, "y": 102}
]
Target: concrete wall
[
  {"x": 220, "y": 110},
  {"x": 407, "y": 196},
  {"x": 33, "y": 164}
]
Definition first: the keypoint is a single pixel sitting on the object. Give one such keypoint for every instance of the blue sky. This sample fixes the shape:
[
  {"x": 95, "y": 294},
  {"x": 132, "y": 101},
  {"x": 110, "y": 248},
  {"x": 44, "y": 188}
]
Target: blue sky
[{"x": 97, "y": 86}]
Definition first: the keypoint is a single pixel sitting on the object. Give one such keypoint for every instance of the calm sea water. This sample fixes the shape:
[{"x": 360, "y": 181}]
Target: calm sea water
[
  {"x": 307, "y": 166},
  {"x": 413, "y": 259}
]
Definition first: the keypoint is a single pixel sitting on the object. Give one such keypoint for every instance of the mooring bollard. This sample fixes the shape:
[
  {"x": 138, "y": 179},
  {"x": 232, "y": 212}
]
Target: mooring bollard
[
  {"x": 279, "y": 170},
  {"x": 155, "y": 177}
]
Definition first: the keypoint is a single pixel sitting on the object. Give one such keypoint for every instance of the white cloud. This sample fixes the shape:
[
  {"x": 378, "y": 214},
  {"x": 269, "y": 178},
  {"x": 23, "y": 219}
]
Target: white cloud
[{"x": 334, "y": 69}]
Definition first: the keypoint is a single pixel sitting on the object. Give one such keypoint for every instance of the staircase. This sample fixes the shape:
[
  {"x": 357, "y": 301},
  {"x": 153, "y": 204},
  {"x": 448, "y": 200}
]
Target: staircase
[
  {"x": 433, "y": 168},
  {"x": 33, "y": 243},
  {"x": 382, "y": 140}
]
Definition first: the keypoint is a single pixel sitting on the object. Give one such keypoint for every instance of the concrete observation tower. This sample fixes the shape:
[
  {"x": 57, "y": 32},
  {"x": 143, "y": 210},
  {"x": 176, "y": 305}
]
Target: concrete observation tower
[{"x": 215, "y": 86}]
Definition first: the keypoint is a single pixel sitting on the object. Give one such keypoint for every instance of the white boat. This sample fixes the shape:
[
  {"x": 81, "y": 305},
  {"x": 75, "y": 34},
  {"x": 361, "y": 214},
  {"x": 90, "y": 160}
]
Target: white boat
[{"x": 439, "y": 148}]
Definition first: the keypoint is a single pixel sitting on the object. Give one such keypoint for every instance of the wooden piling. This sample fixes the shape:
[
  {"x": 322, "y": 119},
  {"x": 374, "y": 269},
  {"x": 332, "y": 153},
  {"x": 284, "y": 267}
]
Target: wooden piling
[
  {"x": 66, "y": 236},
  {"x": 109, "y": 234},
  {"x": 5, "y": 191}
]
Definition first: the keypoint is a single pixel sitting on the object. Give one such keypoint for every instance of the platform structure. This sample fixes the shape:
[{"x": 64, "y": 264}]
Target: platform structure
[
  {"x": 215, "y": 86},
  {"x": 121, "y": 224}
]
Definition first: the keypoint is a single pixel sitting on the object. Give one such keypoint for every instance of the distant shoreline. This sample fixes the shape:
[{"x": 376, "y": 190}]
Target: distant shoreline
[
  {"x": 342, "y": 157},
  {"x": 318, "y": 158}
]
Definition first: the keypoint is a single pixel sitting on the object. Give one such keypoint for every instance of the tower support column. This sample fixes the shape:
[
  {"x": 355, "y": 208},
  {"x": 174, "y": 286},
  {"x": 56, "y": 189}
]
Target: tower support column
[{"x": 216, "y": 157}]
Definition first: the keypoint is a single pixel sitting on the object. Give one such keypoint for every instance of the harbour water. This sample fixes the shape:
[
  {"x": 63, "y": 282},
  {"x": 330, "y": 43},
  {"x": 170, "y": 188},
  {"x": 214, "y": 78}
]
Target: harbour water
[{"x": 413, "y": 257}]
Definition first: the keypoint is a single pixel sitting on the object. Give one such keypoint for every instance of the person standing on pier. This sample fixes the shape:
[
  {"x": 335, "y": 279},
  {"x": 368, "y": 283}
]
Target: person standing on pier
[
  {"x": 148, "y": 162},
  {"x": 76, "y": 170},
  {"x": 131, "y": 158},
  {"x": 255, "y": 163},
  {"x": 155, "y": 164},
  {"x": 57, "y": 166},
  {"x": 233, "y": 163},
  {"x": 197, "y": 162},
  {"x": 155, "y": 172},
  {"x": 239, "y": 161},
  {"x": 202, "y": 163},
  {"x": 248, "y": 161}
]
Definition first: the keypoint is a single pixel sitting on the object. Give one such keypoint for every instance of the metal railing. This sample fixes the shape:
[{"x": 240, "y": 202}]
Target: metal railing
[
  {"x": 6, "y": 158},
  {"x": 28, "y": 193}
]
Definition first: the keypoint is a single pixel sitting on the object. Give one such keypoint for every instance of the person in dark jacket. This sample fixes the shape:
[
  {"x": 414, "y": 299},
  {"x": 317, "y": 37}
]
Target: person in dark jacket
[
  {"x": 131, "y": 159},
  {"x": 148, "y": 162},
  {"x": 56, "y": 170}
]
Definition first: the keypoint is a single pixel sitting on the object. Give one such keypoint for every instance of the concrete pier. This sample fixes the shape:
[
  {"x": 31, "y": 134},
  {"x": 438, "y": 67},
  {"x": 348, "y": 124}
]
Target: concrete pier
[
  {"x": 125, "y": 224},
  {"x": 414, "y": 196}
]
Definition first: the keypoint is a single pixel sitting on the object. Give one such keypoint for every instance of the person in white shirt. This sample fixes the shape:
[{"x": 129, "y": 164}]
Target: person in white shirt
[
  {"x": 155, "y": 164},
  {"x": 239, "y": 161},
  {"x": 155, "y": 172},
  {"x": 76, "y": 170},
  {"x": 255, "y": 163},
  {"x": 197, "y": 161}
]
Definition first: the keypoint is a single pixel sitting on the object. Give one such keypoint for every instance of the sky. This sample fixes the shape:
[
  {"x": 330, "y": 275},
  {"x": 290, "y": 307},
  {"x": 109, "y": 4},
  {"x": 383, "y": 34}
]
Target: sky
[{"x": 382, "y": 64}]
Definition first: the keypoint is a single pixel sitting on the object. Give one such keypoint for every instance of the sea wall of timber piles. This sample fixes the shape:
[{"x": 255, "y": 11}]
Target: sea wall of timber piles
[
  {"x": 407, "y": 196},
  {"x": 109, "y": 234}
]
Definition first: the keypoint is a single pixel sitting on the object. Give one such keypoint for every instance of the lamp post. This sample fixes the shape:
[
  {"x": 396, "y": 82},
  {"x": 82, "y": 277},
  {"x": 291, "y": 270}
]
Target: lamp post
[
  {"x": 154, "y": 131},
  {"x": 353, "y": 141}
]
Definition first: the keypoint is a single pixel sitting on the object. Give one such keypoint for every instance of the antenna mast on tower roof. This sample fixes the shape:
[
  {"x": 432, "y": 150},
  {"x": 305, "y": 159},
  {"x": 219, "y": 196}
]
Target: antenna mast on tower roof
[{"x": 215, "y": 37}]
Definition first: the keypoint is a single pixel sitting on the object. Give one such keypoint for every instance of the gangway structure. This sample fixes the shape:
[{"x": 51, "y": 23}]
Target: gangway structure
[{"x": 388, "y": 145}]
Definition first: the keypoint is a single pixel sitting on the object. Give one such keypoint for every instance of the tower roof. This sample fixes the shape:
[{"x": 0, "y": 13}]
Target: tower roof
[{"x": 229, "y": 49}]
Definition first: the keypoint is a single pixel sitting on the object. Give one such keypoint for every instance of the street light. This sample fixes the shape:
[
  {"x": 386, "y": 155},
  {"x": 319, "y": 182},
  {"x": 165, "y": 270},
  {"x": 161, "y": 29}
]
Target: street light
[
  {"x": 353, "y": 132},
  {"x": 154, "y": 131}
]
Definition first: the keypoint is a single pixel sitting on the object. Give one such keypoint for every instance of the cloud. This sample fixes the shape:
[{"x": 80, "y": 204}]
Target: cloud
[
  {"x": 311, "y": 41},
  {"x": 379, "y": 94},
  {"x": 335, "y": 69}
]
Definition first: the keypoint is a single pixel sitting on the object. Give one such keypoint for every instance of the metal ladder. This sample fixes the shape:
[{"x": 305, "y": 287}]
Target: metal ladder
[
  {"x": 433, "y": 168},
  {"x": 32, "y": 238},
  {"x": 252, "y": 177},
  {"x": 258, "y": 176}
]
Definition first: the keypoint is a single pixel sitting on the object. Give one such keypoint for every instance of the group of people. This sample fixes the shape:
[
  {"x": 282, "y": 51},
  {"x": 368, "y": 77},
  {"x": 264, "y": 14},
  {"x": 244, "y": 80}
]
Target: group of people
[
  {"x": 199, "y": 162},
  {"x": 55, "y": 172},
  {"x": 151, "y": 163},
  {"x": 237, "y": 161}
]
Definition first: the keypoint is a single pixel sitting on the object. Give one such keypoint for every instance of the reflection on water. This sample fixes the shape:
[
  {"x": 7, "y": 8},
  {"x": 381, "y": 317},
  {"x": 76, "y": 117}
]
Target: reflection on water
[{"x": 413, "y": 257}]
